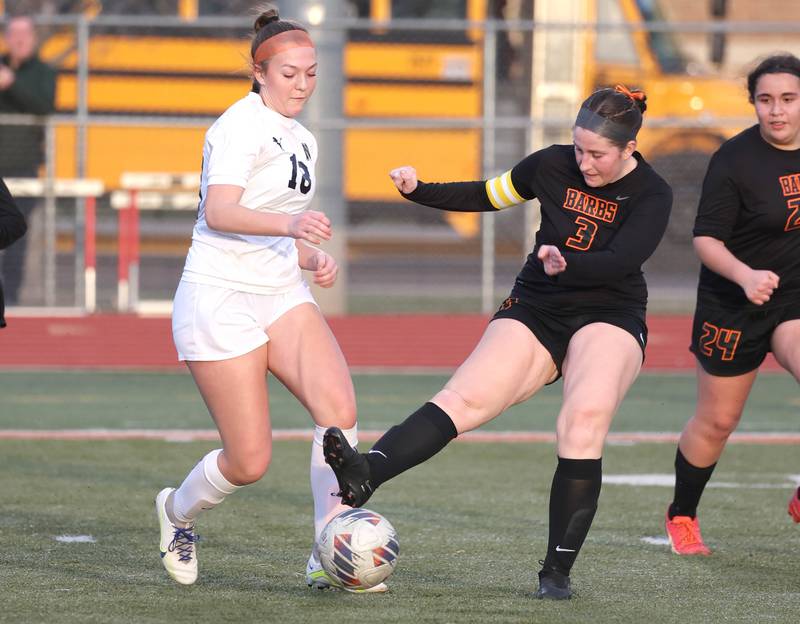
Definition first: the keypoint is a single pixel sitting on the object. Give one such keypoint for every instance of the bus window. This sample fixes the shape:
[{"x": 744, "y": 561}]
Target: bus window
[
  {"x": 424, "y": 8},
  {"x": 361, "y": 7},
  {"x": 662, "y": 43},
  {"x": 418, "y": 9},
  {"x": 616, "y": 45}
]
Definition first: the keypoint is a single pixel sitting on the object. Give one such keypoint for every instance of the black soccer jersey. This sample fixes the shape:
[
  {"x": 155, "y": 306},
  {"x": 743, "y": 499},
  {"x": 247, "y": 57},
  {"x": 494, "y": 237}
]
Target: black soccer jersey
[
  {"x": 751, "y": 202},
  {"x": 605, "y": 233},
  {"x": 12, "y": 223}
]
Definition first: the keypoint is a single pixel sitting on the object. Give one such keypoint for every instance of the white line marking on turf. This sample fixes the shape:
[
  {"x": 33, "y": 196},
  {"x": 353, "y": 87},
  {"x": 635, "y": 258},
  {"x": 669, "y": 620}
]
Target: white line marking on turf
[
  {"x": 668, "y": 480},
  {"x": 660, "y": 480},
  {"x": 76, "y": 539},
  {"x": 656, "y": 541},
  {"x": 190, "y": 435}
]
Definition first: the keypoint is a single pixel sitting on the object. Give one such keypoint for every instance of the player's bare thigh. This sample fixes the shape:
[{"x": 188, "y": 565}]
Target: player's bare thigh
[
  {"x": 305, "y": 357},
  {"x": 601, "y": 364},
  {"x": 508, "y": 365},
  {"x": 786, "y": 346}
]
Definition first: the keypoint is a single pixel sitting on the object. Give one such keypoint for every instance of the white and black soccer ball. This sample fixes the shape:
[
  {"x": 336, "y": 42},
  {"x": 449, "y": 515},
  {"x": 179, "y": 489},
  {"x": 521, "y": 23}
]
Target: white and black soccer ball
[{"x": 359, "y": 548}]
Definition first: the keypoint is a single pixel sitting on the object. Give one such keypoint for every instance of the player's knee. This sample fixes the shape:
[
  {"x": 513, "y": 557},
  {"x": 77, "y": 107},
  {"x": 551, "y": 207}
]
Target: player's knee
[
  {"x": 249, "y": 469},
  {"x": 584, "y": 426},
  {"x": 721, "y": 424},
  {"x": 340, "y": 411},
  {"x": 345, "y": 412},
  {"x": 465, "y": 407}
]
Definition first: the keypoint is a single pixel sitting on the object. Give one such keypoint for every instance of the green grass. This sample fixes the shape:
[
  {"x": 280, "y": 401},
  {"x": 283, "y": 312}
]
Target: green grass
[
  {"x": 381, "y": 303},
  {"x": 472, "y": 521},
  {"x": 79, "y": 399}
]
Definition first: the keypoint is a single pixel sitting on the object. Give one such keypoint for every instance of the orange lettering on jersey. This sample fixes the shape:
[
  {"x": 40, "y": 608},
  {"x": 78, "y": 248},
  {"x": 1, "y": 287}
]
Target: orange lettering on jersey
[
  {"x": 590, "y": 205},
  {"x": 790, "y": 184},
  {"x": 572, "y": 195}
]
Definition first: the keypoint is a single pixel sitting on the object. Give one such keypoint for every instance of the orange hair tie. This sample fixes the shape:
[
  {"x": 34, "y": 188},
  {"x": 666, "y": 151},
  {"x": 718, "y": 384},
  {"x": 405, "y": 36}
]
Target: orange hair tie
[{"x": 634, "y": 95}]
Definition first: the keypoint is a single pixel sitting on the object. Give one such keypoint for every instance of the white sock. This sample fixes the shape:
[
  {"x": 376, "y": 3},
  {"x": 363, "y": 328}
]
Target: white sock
[
  {"x": 323, "y": 481},
  {"x": 204, "y": 488}
]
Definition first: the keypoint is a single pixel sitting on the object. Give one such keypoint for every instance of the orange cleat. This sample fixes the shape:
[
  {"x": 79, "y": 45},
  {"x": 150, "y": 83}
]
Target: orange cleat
[
  {"x": 794, "y": 506},
  {"x": 684, "y": 536}
]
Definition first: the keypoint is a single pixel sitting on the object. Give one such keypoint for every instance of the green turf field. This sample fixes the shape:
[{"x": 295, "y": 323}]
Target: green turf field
[
  {"x": 75, "y": 399},
  {"x": 472, "y": 521}
]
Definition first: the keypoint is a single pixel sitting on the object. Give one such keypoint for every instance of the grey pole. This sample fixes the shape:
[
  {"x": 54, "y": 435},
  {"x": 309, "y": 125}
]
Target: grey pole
[
  {"x": 489, "y": 115},
  {"x": 50, "y": 215},
  {"x": 82, "y": 113},
  {"x": 326, "y": 103}
]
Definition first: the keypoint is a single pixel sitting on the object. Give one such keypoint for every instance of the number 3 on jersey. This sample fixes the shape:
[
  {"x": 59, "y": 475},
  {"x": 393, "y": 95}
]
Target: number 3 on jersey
[
  {"x": 305, "y": 178},
  {"x": 584, "y": 236}
]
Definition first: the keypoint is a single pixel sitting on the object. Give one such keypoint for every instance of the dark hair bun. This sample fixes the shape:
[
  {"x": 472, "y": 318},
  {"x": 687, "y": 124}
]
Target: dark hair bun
[{"x": 267, "y": 17}]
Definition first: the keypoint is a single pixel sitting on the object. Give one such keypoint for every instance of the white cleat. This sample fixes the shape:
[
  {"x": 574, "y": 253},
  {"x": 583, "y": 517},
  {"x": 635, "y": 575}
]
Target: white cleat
[
  {"x": 178, "y": 550},
  {"x": 317, "y": 578}
]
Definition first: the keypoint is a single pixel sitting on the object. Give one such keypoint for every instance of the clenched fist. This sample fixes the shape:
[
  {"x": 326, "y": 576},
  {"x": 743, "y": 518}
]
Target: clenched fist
[{"x": 404, "y": 178}]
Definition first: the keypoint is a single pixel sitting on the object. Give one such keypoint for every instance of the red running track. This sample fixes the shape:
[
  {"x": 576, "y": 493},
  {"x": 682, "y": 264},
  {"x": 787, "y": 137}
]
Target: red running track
[{"x": 402, "y": 341}]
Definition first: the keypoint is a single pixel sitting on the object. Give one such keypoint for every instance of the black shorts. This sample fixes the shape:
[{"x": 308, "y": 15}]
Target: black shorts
[
  {"x": 555, "y": 330},
  {"x": 729, "y": 341}
]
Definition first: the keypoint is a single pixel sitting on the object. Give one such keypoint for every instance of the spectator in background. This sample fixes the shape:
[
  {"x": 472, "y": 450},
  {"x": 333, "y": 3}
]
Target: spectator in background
[
  {"x": 12, "y": 228},
  {"x": 27, "y": 86}
]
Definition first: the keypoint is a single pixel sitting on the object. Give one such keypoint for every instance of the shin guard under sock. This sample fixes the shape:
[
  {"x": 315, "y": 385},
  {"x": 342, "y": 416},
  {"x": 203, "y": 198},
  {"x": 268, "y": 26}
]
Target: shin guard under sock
[
  {"x": 419, "y": 437},
  {"x": 690, "y": 481},
  {"x": 573, "y": 502}
]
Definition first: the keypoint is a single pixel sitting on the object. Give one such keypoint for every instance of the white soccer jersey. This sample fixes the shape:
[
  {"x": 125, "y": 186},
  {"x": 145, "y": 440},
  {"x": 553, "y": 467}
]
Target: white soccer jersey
[{"x": 272, "y": 158}]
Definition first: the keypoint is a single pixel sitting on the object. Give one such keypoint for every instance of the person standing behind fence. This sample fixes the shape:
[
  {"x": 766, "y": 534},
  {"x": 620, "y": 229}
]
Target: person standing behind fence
[
  {"x": 747, "y": 235},
  {"x": 242, "y": 309},
  {"x": 12, "y": 228},
  {"x": 27, "y": 86}
]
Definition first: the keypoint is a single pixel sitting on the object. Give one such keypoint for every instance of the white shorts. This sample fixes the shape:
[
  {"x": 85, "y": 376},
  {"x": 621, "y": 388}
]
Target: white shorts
[{"x": 215, "y": 323}]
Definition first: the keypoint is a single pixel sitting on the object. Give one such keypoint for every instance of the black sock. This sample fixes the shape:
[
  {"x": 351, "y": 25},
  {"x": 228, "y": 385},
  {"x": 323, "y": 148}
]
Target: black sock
[
  {"x": 419, "y": 437},
  {"x": 690, "y": 481},
  {"x": 573, "y": 502}
]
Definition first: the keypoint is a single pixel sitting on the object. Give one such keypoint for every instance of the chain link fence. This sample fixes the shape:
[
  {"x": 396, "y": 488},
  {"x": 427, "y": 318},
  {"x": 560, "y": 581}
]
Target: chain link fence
[{"x": 137, "y": 88}]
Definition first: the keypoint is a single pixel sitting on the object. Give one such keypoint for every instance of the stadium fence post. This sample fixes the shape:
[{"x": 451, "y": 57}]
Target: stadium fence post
[
  {"x": 90, "y": 255},
  {"x": 133, "y": 251},
  {"x": 122, "y": 259}
]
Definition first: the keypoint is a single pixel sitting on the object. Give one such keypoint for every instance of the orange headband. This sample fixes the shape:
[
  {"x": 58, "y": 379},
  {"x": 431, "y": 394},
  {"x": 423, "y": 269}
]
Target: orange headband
[
  {"x": 280, "y": 43},
  {"x": 634, "y": 95}
]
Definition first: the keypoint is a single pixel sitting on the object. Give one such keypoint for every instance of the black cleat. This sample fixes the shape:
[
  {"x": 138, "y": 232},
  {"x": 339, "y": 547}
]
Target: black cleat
[
  {"x": 350, "y": 467},
  {"x": 553, "y": 585}
]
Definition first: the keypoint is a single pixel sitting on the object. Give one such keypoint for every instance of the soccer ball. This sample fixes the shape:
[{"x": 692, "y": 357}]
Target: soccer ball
[{"x": 358, "y": 548}]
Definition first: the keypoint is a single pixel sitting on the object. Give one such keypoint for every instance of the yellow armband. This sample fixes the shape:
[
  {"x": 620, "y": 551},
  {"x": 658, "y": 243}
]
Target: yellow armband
[{"x": 502, "y": 193}]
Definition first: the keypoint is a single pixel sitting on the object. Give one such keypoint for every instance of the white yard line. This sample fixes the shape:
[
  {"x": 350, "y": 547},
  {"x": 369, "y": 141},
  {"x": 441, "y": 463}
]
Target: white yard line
[{"x": 188, "y": 435}]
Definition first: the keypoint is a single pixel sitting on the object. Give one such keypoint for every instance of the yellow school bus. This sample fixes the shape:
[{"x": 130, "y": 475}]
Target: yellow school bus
[
  {"x": 388, "y": 74},
  {"x": 688, "y": 115}
]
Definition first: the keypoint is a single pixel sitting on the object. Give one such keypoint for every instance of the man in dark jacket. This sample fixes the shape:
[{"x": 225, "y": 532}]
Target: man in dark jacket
[
  {"x": 12, "y": 228},
  {"x": 28, "y": 86}
]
